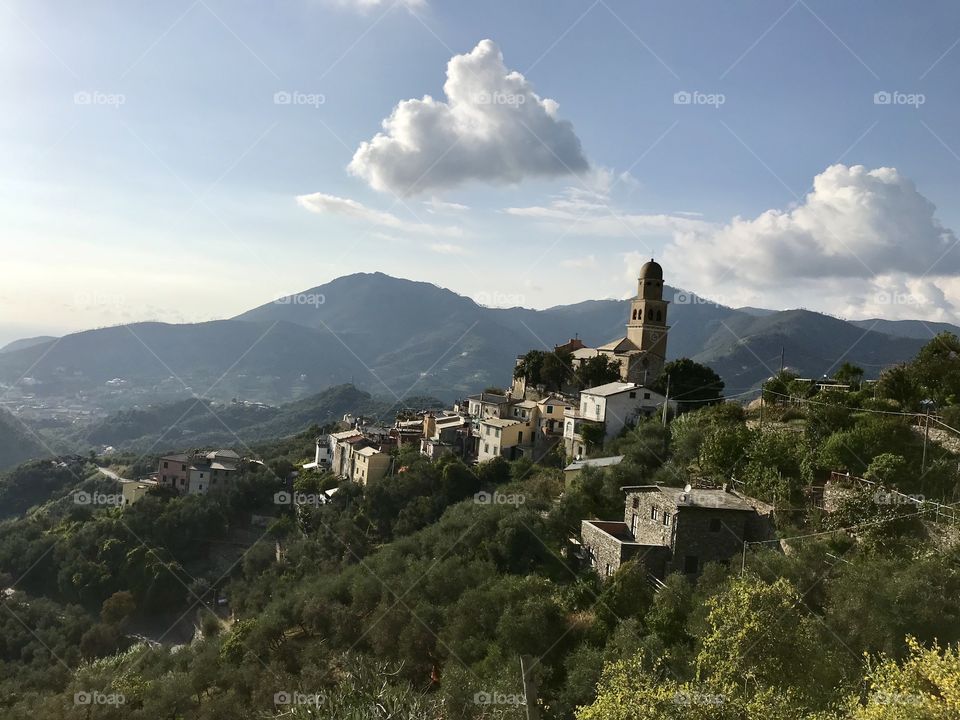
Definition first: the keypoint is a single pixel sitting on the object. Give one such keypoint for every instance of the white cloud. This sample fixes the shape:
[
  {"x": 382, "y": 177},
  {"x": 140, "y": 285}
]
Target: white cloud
[
  {"x": 862, "y": 243},
  {"x": 366, "y": 5},
  {"x": 435, "y": 205},
  {"x": 324, "y": 204},
  {"x": 587, "y": 211},
  {"x": 854, "y": 223},
  {"x": 492, "y": 127},
  {"x": 448, "y": 249},
  {"x": 590, "y": 209}
]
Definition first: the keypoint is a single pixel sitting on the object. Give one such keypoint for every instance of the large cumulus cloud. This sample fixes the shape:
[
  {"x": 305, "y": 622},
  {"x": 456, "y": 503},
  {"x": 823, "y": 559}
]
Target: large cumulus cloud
[
  {"x": 855, "y": 223},
  {"x": 862, "y": 243},
  {"x": 492, "y": 127}
]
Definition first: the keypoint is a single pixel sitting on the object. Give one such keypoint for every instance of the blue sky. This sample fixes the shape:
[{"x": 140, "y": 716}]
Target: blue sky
[{"x": 151, "y": 169}]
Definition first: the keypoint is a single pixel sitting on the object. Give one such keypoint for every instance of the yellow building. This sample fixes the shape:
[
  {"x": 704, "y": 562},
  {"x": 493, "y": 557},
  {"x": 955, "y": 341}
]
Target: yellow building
[
  {"x": 500, "y": 437},
  {"x": 370, "y": 465}
]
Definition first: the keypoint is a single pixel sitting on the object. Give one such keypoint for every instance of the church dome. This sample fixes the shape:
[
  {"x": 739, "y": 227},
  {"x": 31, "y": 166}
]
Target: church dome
[{"x": 651, "y": 270}]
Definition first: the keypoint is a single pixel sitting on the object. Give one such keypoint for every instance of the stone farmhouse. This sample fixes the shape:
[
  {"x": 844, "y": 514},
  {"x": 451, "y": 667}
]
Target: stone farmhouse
[{"x": 675, "y": 530}]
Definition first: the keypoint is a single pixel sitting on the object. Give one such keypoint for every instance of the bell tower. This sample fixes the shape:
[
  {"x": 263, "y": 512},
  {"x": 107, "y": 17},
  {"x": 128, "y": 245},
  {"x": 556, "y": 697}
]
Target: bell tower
[{"x": 647, "y": 326}]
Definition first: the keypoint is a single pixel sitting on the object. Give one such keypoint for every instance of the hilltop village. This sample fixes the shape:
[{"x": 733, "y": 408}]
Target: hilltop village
[
  {"x": 668, "y": 529},
  {"x": 552, "y": 544}
]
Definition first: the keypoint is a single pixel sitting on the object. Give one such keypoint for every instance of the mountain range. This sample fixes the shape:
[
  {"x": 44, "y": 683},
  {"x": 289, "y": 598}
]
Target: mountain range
[{"x": 395, "y": 338}]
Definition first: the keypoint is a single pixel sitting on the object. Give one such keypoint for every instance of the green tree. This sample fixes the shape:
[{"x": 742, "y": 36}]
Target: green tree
[
  {"x": 849, "y": 374},
  {"x": 691, "y": 384},
  {"x": 925, "y": 686},
  {"x": 557, "y": 370},
  {"x": 118, "y": 607},
  {"x": 937, "y": 369},
  {"x": 899, "y": 384},
  {"x": 598, "y": 370}
]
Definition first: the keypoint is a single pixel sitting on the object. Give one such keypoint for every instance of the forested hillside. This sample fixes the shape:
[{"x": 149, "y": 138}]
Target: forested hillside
[{"x": 415, "y": 598}]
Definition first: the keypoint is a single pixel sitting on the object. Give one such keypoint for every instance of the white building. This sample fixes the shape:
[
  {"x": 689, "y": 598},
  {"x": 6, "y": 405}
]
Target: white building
[
  {"x": 616, "y": 405},
  {"x": 323, "y": 455}
]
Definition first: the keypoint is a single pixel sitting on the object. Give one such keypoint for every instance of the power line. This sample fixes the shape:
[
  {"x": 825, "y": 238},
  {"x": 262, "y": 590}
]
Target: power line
[
  {"x": 854, "y": 527},
  {"x": 866, "y": 410}
]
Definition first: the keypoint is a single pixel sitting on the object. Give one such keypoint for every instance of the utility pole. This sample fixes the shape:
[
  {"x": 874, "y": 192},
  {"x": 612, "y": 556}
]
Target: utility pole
[
  {"x": 761, "y": 408},
  {"x": 781, "y": 359},
  {"x": 743, "y": 562},
  {"x": 926, "y": 434},
  {"x": 666, "y": 402},
  {"x": 527, "y": 663}
]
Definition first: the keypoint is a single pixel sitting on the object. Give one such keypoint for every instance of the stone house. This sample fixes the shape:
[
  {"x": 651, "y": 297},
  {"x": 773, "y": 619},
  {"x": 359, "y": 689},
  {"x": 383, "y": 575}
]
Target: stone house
[{"x": 674, "y": 530}]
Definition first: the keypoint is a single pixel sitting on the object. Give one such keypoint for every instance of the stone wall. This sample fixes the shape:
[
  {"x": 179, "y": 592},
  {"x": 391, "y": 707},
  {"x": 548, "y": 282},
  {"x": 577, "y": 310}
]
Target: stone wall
[
  {"x": 708, "y": 535},
  {"x": 605, "y": 553},
  {"x": 650, "y": 531},
  {"x": 608, "y": 547}
]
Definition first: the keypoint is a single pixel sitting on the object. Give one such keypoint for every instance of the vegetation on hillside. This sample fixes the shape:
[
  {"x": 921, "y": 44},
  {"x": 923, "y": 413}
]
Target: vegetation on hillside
[{"x": 416, "y": 596}]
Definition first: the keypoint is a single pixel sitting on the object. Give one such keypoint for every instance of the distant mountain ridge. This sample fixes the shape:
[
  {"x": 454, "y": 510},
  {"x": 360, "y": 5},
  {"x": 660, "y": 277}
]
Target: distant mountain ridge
[
  {"x": 394, "y": 338},
  {"x": 26, "y": 342}
]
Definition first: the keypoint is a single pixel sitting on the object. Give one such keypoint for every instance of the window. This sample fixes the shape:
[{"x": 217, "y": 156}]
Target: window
[
  {"x": 519, "y": 438},
  {"x": 633, "y": 524},
  {"x": 636, "y": 503},
  {"x": 633, "y": 394},
  {"x": 488, "y": 430},
  {"x": 497, "y": 432},
  {"x": 666, "y": 519},
  {"x": 549, "y": 409},
  {"x": 691, "y": 564},
  {"x": 486, "y": 447},
  {"x": 200, "y": 488},
  {"x": 715, "y": 525},
  {"x": 182, "y": 482},
  {"x": 608, "y": 569},
  {"x": 165, "y": 466},
  {"x": 653, "y": 513},
  {"x": 183, "y": 467},
  {"x": 646, "y": 396}
]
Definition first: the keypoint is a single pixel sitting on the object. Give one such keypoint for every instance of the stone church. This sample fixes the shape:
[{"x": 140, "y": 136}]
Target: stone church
[{"x": 642, "y": 351}]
